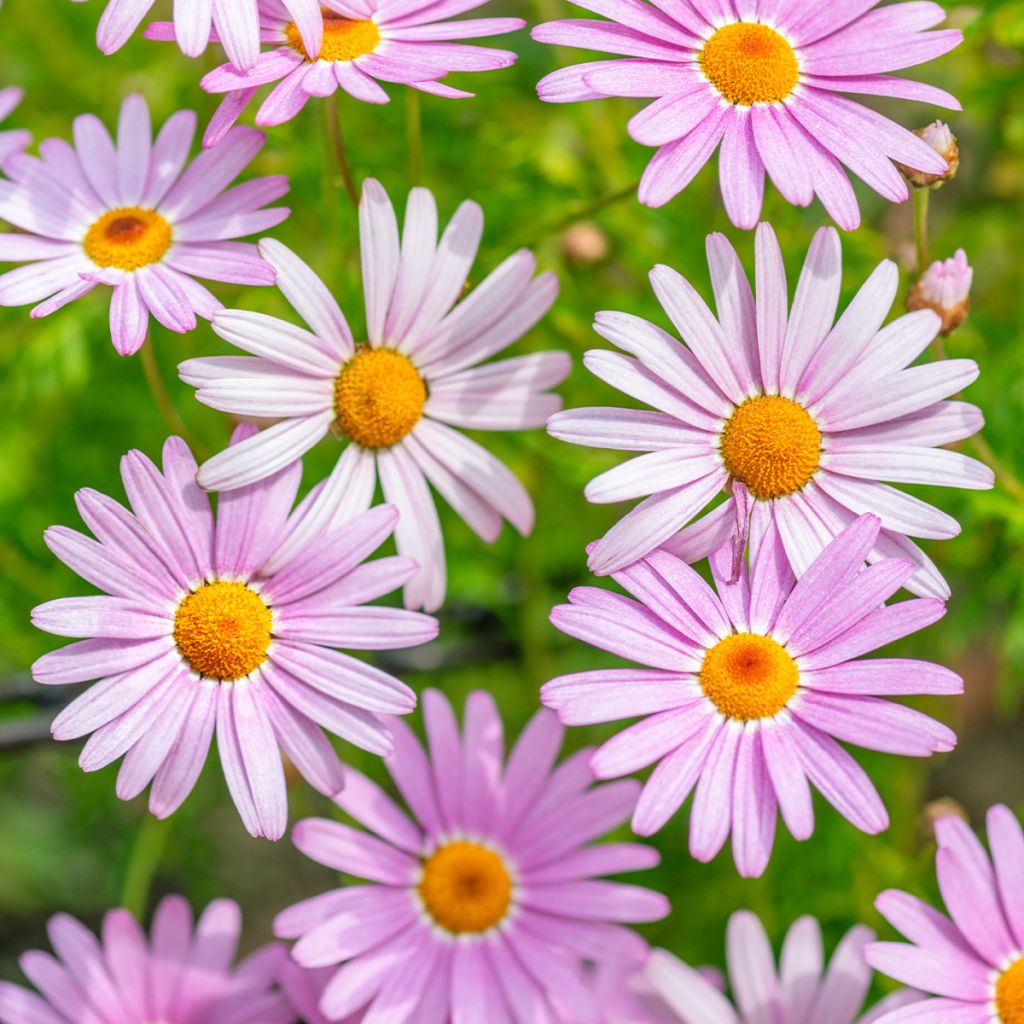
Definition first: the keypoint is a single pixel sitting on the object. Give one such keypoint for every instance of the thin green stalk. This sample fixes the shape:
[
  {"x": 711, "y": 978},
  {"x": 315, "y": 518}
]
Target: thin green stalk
[
  {"x": 1004, "y": 478},
  {"x": 414, "y": 134},
  {"x": 143, "y": 862},
  {"x": 582, "y": 212},
  {"x": 162, "y": 398},
  {"x": 921, "y": 197},
  {"x": 336, "y": 144}
]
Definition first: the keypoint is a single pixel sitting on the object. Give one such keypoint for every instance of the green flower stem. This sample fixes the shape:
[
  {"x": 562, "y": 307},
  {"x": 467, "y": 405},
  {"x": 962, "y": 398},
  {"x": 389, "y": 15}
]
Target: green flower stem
[
  {"x": 921, "y": 197},
  {"x": 1004, "y": 478},
  {"x": 336, "y": 144},
  {"x": 143, "y": 862},
  {"x": 583, "y": 212},
  {"x": 414, "y": 134},
  {"x": 158, "y": 389}
]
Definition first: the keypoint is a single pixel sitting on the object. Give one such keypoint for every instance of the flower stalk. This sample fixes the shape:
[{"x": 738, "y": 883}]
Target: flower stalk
[{"x": 335, "y": 140}]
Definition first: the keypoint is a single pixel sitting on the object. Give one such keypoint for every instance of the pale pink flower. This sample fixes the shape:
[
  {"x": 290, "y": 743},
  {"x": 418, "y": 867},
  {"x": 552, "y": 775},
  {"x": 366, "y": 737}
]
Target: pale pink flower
[
  {"x": 485, "y": 901},
  {"x": 394, "y": 398},
  {"x": 134, "y": 217},
  {"x": 184, "y": 971},
  {"x": 364, "y": 43},
  {"x": 800, "y": 990},
  {"x": 194, "y": 637},
  {"x": 765, "y": 79},
  {"x": 802, "y": 419},
  {"x": 745, "y": 689},
  {"x": 971, "y": 958},
  {"x": 233, "y": 23}
]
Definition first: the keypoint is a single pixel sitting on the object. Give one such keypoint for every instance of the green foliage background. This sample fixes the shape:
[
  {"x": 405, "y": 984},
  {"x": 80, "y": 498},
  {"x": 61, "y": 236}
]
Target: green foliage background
[{"x": 71, "y": 406}]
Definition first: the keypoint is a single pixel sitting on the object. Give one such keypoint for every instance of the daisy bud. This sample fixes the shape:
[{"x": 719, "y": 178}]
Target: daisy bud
[
  {"x": 936, "y": 810},
  {"x": 585, "y": 242},
  {"x": 945, "y": 287},
  {"x": 943, "y": 141}
]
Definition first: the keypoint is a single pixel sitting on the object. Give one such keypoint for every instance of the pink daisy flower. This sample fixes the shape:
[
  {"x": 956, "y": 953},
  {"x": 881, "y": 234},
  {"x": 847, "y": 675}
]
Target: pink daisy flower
[
  {"x": 304, "y": 988},
  {"x": 12, "y": 140},
  {"x": 972, "y": 961},
  {"x": 235, "y": 24},
  {"x": 625, "y": 995},
  {"x": 800, "y": 990},
  {"x": 194, "y": 636},
  {"x": 182, "y": 973},
  {"x": 804, "y": 420},
  {"x": 365, "y": 42},
  {"x": 396, "y": 397},
  {"x": 484, "y": 904},
  {"x": 133, "y": 216},
  {"x": 744, "y": 692},
  {"x": 764, "y": 78}
]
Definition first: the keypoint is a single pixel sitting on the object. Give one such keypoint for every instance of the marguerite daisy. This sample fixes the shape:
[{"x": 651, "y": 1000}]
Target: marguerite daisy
[
  {"x": 364, "y": 43},
  {"x": 745, "y": 691},
  {"x": 972, "y": 960},
  {"x": 800, "y": 990},
  {"x": 233, "y": 23},
  {"x": 765, "y": 79},
  {"x": 805, "y": 418},
  {"x": 194, "y": 636},
  {"x": 182, "y": 973},
  {"x": 131, "y": 217},
  {"x": 395, "y": 396},
  {"x": 484, "y": 904}
]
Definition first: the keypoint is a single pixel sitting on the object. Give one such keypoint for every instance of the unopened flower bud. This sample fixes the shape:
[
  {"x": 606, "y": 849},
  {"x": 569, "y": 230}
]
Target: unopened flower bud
[
  {"x": 943, "y": 141},
  {"x": 936, "y": 810},
  {"x": 585, "y": 242},
  {"x": 945, "y": 288}
]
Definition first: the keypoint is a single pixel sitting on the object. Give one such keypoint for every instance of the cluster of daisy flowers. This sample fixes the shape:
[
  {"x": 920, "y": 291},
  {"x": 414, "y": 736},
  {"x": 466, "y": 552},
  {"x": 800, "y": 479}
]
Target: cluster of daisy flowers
[{"x": 775, "y": 430}]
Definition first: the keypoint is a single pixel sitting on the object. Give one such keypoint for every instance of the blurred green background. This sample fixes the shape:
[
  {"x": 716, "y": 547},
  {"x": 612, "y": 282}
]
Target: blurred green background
[{"x": 71, "y": 407}]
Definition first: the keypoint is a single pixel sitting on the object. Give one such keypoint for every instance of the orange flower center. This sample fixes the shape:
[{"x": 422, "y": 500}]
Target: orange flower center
[
  {"x": 466, "y": 888},
  {"x": 748, "y": 676},
  {"x": 223, "y": 630},
  {"x": 750, "y": 63},
  {"x": 344, "y": 38},
  {"x": 1010, "y": 994},
  {"x": 378, "y": 397},
  {"x": 772, "y": 445},
  {"x": 128, "y": 238}
]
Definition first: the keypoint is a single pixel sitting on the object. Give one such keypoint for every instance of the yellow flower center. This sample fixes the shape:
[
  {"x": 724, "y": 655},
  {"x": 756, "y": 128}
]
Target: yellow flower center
[
  {"x": 772, "y": 445},
  {"x": 378, "y": 397},
  {"x": 128, "y": 238},
  {"x": 747, "y": 676},
  {"x": 223, "y": 630},
  {"x": 344, "y": 38},
  {"x": 750, "y": 63},
  {"x": 1010, "y": 994},
  {"x": 466, "y": 888}
]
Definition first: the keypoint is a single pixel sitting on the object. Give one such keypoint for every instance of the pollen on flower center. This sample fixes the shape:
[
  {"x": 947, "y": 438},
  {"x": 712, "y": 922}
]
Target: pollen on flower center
[
  {"x": 378, "y": 397},
  {"x": 344, "y": 38},
  {"x": 128, "y": 238},
  {"x": 223, "y": 630},
  {"x": 750, "y": 63},
  {"x": 1010, "y": 994},
  {"x": 748, "y": 676},
  {"x": 772, "y": 445},
  {"x": 466, "y": 888}
]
